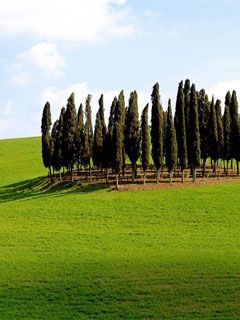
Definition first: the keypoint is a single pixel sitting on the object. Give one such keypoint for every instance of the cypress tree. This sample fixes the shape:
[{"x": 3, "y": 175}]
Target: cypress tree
[
  {"x": 47, "y": 144},
  {"x": 235, "y": 140},
  {"x": 187, "y": 92},
  {"x": 218, "y": 109},
  {"x": 171, "y": 143},
  {"x": 145, "y": 141},
  {"x": 98, "y": 142},
  {"x": 165, "y": 119},
  {"x": 88, "y": 135},
  {"x": 118, "y": 136},
  {"x": 132, "y": 133},
  {"x": 227, "y": 136},
  {"x": 204, "y": 126},
  {"x": 194, "y": 138},
  {"x": 214, "y": 135},
  {"x": 157, "y": 130},
  {"x": 108, "y": 142},
  {"x": 69, "y": 129},
  {"x": 79, "y": 136},
  {"x": 57, "y": 132},
  {"x": 181, "y": 129}
]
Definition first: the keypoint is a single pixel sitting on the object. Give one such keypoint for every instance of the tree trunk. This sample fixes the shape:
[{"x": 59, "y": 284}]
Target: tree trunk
[
  {"x": 227, "y": 168},
  {"x": 133, "y": 172},
  {"x": 50, "y": 173},
  {"x": 71, "y": 173},
  {"x": 107, "y": 178},
  {"x": 144, "y": 177},
  {"x": 237, "y": 167},
  {"x": 182, "y": 175},
  {"x": 194, "y": 174},
  {"x": 170, "y": 176},
  {"x": 90, "y": 173},
  {"x": 231, "y": 163},
  {"x": 117, "y": 186},
  {"x": 60, "y": 175},
  {"x": 204, "y": 168},
  {"x": 158, "y": 176}
]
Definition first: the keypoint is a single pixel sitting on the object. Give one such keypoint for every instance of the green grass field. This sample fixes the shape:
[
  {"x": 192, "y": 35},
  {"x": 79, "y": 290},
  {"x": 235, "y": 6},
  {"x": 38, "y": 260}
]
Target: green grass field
[{"x": 87, "y": 253}]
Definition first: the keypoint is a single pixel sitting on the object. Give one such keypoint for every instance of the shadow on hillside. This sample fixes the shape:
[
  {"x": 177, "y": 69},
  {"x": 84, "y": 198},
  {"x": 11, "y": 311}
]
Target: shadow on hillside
[{"x": 42, "y": 187}]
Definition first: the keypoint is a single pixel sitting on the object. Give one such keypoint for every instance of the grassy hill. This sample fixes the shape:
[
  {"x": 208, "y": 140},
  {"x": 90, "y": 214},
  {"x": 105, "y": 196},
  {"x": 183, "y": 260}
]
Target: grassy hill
[{"x": 87, "y": 253}]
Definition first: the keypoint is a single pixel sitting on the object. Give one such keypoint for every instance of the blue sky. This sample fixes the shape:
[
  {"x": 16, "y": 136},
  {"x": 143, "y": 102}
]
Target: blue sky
[{"x": 50, "y": 48}]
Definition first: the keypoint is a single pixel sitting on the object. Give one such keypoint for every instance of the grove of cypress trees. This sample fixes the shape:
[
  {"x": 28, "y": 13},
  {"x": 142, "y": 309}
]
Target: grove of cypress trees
[
  {"x": 79, "y": 137},
  {"x": 194, "y": 152},
  {"x": 181, "y": 129},
  {"x": 157, "y": 130},
  {"x": 145, "y": 141},
  {"x": 187, "y": 92},
  {"x": 132, "y": 133},
  {"x": 227, "y": 136},
  {"x": 235, "y": 139},
  {"x": 47, "y": 144},
  {"x": 171, "y": 143},
  {"x": 69, "y": 129}
]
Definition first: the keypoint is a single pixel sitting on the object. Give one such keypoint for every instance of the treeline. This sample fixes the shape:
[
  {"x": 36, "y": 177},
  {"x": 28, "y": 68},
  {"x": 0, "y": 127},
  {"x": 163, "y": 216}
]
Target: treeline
[{"x": 198, "y": 131}]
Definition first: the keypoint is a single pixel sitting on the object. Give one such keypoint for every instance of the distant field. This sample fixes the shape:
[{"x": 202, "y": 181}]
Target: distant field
[{"x": 83, "y": 252}]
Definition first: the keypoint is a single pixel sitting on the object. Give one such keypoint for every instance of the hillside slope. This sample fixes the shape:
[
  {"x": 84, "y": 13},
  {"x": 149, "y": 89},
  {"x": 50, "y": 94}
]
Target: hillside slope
[{"x": 82, "y": 252}]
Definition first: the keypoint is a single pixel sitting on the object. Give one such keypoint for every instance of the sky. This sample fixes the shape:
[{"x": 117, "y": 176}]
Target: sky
[{"x": 49, "y": 49}]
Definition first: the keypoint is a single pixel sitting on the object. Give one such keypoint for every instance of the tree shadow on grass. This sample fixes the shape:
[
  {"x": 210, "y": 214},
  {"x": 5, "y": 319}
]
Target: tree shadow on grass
[{"x": 42, "y": 187}]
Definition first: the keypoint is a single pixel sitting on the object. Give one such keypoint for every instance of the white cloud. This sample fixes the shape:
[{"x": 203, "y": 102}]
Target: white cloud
[
  {"x": 220, "y": 89},
  {"x": 73, "y": 20},
  {"x": 44, "y": 56}
]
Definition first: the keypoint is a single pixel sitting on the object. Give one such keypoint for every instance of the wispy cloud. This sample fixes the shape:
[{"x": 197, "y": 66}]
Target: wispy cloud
[{"x": 72, "y": 20}]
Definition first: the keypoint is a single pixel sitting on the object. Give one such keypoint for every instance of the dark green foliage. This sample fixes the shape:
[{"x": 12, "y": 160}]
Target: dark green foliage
[
  {"x": 57, "y": 153},
  {"x": 204, "y": 124},
  {"x": 98, "y": 140},
  {"x": 108, "y": 142},
  {"x": 47, "y": 144},
  {"x": 157, "y": 128},
  {"x": 213, "y": 133},
  {"x": 181, "y": 128},
  {"x": 165, "y": 117},
  {"x": 219, "y": 129},
  {"x": 234, "y": 127},
  {"x": 194, "y": 136},
  {"x": 187, "y": 91},
  {"x": 145, "y": 139},
  {"x": 88, "y": 133},
  {"x": 118, "y": 133},
  {"x": 227, "y": 134},
  {"x": 132, "y": 133},
  {"x": 171, "y": 141},
  {"x": 79, "y": 136},
  {"x": 69, "y": 129}
]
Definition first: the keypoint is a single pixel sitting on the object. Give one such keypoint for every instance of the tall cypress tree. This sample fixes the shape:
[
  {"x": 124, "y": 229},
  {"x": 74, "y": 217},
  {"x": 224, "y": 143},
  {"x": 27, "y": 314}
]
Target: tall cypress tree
[
  {"x": 171, "y": 143},
  {"x": 213, "y": 135},
  {"x": 145, "y": 141},
  {"x": 69, "y": 129},
  {"x": 227, "y": 136},
  {"x": 98, "y": 142},
  {"x": 181, "y": 129},
  {"x": 118, "y": 136},
  {"x": 157, "y": 130},
  {"x": 108, "y": 142},
  {"x": 187, "y": 92},
  {"x": 165, "y": 119},
  {"x": 218, "y": 109},
  {"x": 88, "y": 135},
  {"x": 132, "y": 133},
  {"x": 47, "y": 144},
  {"x": 204, "y": 126},
  {"x": 194, "y": 138},
  {"x": 235, "y": 139},
  {"x": 79, "y": 136}
]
